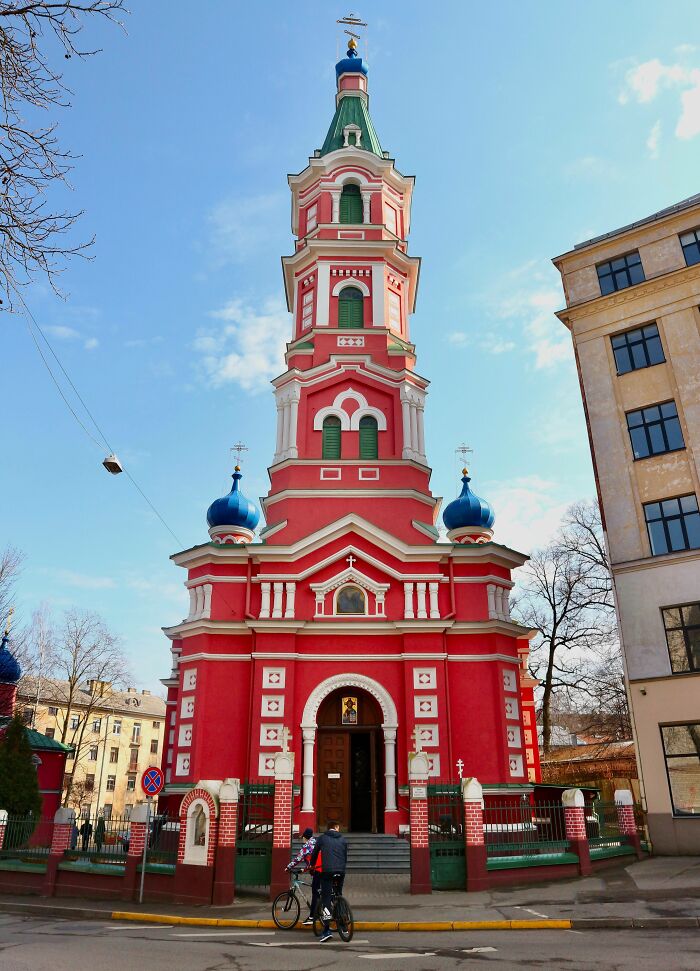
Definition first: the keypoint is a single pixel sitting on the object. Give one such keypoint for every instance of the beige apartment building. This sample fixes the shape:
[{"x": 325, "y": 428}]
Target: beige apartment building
[
  {"x": 116, "y": 735},
  {"x": 632, "y": 299}
]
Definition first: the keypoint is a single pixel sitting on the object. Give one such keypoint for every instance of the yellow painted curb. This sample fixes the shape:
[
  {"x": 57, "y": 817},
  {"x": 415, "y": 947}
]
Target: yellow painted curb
[{"x": 360, "y": 925}]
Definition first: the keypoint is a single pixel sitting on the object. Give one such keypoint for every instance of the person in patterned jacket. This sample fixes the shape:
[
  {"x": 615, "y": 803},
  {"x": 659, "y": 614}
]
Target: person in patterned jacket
[{"x": 303, "y": 858}]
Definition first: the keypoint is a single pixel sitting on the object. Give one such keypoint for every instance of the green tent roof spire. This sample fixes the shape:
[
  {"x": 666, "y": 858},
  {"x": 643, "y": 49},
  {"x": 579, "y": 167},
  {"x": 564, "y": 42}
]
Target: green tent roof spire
[{"x": 352, "y": 109}]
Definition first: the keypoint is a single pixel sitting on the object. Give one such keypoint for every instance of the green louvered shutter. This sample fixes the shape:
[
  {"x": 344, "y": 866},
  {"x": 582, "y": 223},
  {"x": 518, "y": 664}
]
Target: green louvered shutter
[
  {"x": 368, "y": 438},
  {"x": 331, "y": 437},
  {"x": 351, "y": 205},
  {"x": 351, "y": 308}
]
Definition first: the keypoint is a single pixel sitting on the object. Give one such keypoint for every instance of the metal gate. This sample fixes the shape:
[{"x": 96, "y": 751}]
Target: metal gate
[
  {"x": 254, "y": 837},
  {"x": 446, "y": 837}
]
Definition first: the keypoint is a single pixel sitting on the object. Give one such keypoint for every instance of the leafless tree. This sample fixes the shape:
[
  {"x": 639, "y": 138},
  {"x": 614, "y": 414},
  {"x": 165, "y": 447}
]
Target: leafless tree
[
  {"x": 10, "y": 567},
  {"x": 566, "y": 595},
  {"x": 32, "y": 231}
]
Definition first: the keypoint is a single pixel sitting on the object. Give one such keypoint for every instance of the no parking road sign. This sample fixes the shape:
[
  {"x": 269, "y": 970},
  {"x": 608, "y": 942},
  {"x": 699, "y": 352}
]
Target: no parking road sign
[{"x": 152, "y": 781}]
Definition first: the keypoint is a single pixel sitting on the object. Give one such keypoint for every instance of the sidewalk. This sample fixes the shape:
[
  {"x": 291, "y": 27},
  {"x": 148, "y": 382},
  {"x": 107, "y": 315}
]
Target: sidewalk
[{"x": 661, "y": 892}]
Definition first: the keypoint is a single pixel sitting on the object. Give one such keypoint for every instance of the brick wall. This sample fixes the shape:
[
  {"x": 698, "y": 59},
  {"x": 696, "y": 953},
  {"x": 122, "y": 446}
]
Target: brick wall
[
  {"x": 473, "y": 824},
  {"x": 419, "y": 823},
  {"x": 61, "y": 838},
  {"x": 282, "y": 825},
  {"x": 137, "y": 839},
  {"x": 228, "y": 823},
  {"x": 575, "y": 822}
]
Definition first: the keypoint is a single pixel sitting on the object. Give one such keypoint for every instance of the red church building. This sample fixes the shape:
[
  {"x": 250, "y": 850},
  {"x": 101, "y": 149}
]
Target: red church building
[{"x": 351, "y": 631}]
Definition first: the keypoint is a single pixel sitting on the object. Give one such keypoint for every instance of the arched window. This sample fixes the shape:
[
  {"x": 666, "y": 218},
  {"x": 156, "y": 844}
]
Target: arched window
[
  {"x": 351, "y": 204},
  {"x": 351, "y": 600},
  {"x": 368, "y": 438},
  {"x": 331, "y": 437},
  {"x": 351, "y": 308}
]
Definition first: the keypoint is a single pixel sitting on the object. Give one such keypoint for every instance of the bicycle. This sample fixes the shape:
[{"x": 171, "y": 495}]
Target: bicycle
[
  {"x": 341, "y": 915},
  {"x": 286, "y": 907}
]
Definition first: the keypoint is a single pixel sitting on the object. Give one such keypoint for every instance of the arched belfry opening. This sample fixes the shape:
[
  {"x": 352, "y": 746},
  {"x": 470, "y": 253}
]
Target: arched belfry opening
[{"x": 350, "y": 761}]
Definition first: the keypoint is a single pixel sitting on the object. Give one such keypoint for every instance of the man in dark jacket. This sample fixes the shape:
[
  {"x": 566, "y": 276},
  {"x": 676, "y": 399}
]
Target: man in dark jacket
[{"x": 332, "y": 849}]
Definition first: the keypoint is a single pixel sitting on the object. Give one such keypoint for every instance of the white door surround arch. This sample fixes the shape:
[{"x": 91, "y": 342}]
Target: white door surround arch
[{"x": 389, "y": 726}]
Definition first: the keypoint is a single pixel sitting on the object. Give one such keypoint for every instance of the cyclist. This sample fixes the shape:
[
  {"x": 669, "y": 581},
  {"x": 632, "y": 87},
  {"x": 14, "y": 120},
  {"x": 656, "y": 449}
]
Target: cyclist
[
  {"x": 331, "y": 850},
  {"x": 303, "y": 856}
]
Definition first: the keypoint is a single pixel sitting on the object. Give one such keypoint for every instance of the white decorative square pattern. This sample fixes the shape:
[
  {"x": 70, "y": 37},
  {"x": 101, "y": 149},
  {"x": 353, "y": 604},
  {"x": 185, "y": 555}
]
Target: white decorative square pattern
[
  {"x": 187, "y": 707},
  {"x": 274, "y": 678},
  {"x": 510, "y": 682},
  {"x": 189, "y": 679},
  {"x": 434, "y": 765},
  {"x": 526, "y": 716},
  {"x": 425, "y": 706},
  {"x": 266, "y": 764},
  {"x": 515, "y": 764},
  {"x": 424, "y": 678},
  {"x": 184, "y": 739},
  {"x": 182, "y": 766},
  {"x": 272, "y": 706},
  {"x": 513, "y": 736},
  {"x": 428, "y": 735},
  {"x": 270, "y": 734},
  {"x": 528, "y": 736},
  {"x": 510, "y": 706}
]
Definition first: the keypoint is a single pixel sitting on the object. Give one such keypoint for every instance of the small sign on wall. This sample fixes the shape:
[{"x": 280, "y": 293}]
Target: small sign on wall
[{"x": 419, "y": 792}]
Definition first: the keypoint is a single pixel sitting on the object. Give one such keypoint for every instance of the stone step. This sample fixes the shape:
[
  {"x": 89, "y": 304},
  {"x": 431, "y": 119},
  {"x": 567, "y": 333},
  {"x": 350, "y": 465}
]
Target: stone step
[{"x": 374, "y": 853}]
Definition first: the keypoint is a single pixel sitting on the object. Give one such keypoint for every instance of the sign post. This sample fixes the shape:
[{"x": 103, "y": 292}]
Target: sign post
[{"x": 152, "y": 782}]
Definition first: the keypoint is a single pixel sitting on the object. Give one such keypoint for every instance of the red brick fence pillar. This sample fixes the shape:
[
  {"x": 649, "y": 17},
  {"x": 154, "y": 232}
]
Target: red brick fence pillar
[
  {"x": 199, "y": 827},
  {"x": 624, "y": 803},
  {"x": 282, "y": 824},
  {"x": 418, "y": 816},
  {"x": 134, "y": 855},
  {"x": 575, "y": 824},
  {"x": 63, "y": 823},
  {"x": 474, "y": 844},
  {"x": 225, "y": 863}
]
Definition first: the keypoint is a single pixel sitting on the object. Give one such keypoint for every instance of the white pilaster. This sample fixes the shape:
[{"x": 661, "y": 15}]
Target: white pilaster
[
  {"x": 307, "y": 770},
  {"x": 265, "y": 600},
  {"x": 408, "y": 601},
  {"x": 491, "y": 597},
  {"x": 193, "y": 603},
  {"x": 434, "y": 609},
  {"x": 200, "y": 601},
  {"x": 293, "y": 416},
  {"x": 280, "y": 424},
  {"x": 421, "y": 433},
  {"x": 366, "y": 198},
  {"x": 206, "y": 607},
  {"x": 291, "y": 590},
  {"x": 414, "y": 428},
  {"x": 378, "y": 294},
  {"x": 420, "y": 597},
  {"x": 390, "y": 769},
  {"x": 406, "y": 416},
  {"x": 285, "y": 432},
  {"x": 277, "y": 601},
  {"x": 323, "y": 293},
  {"x": 335, "y": 217}
]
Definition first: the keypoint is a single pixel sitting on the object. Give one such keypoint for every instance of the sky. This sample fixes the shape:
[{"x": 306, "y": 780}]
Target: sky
[{"x": 529, "y": 128}]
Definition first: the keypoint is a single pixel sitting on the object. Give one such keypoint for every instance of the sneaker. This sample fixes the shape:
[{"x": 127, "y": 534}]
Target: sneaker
[
  {"x": 326, "y": 913},
  {"x": 326, "y": 936},
  {"x": 308, "y": 922}
]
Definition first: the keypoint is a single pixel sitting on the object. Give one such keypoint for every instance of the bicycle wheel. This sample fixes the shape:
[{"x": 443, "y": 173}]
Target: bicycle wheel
[
  {"x": 285, "y": 910},
  {"x": 344, "y": 920}
]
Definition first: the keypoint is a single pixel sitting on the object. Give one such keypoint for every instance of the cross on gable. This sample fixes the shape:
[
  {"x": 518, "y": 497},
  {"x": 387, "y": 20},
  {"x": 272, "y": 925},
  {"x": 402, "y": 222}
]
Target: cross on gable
[
  {"x": 417, "y": 741},
  {"x": 350, "y": 560},
  {"x": 460, "y": 766},
  {"x": 284, "y": 737}
]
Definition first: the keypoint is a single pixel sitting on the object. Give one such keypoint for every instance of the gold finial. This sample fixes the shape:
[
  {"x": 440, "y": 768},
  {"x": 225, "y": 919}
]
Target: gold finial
[
  {"x": 352, "y": 44},
  {"x": 237, "y": 468},
  {"x": 465, "y": 471},
  {"x": 9, "y": 620}
]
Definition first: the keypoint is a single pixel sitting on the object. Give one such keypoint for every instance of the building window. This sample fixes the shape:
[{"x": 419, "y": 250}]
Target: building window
[
  {"x": 93, "y": 753},
  {"x": 682, "y": 752},
  {"x": 331, "y": 437},
  {"x": 673, "y": 524},
  {"x": 114, "y": 755},
  {"x": 351, "y": 204},
  {"x": 28, "y": 716},
  {"x": 136, "y": 732},
  {"x": 89, "y": 783},
  {"x": 637, "y": 349},
  {"x": 351, "y": 600},
  {"x": 682, "y": 626},
  {"x": 311, "y": 217},
  {"x": 96, "y": 724},
  {"x": 368, "y": 438},
  {"x": 70, "y": 755},
  {"x": 691, "y": 247},
  {"x": 111, "y": 783},
  {"x": 74, "y": 722},
  {"x": 655, "y": 430},
  {"x": 307, "y": 309},
  {"x": 131, "y": 783},
  {"x": 133, "y": 758},
  {"x": 156, "y": 725},
  {"x": 52, "y": 710},
  {"x": 50, "y": 732},
  {"x": 351, "y": 309},
  {"x": 107, "y": 810},
  {"x": 154, "y": 746},
  {"x": 117, "y": 727},
  {"x": 620, "y": 273}
]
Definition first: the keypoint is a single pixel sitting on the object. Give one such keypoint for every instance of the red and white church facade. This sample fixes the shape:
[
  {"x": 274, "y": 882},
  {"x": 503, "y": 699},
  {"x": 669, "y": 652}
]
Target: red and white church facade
[{"x": 350, "y": 632}]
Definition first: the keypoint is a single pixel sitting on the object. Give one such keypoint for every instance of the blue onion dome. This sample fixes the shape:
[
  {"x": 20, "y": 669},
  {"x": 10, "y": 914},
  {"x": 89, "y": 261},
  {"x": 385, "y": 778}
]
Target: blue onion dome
[
  {"x": 10, "y": 671},
  {"x": 351, "y": 63},
  {"x": 234, "y": 509},
  {"x": 468, "y": 510}
]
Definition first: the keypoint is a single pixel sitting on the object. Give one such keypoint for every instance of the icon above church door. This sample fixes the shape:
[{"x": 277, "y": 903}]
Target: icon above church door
[{"x": 349, "y": 711}]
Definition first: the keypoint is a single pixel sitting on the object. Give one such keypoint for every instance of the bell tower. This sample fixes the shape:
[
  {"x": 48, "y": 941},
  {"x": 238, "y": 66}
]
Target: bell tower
[{"x": 350, "y": 405}]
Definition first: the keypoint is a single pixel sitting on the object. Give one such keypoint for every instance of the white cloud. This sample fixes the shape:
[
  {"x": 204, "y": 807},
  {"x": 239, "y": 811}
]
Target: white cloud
[
  {"x": 60, "y": 332},
  {"x": 248, "y": 349},
  {"x": 592, "y": 167},
  {"x": 91, "y": 343},
  {"x": 241, "y": 226},
  {"x": 532, "y": 300},
  {"x": 143, "y": 341},
  {"x": 84, "y": 581},
  {"x": 644, "y": 82},
  {"x": 653, "y": 140},
  {"x": 490, "y": 342},
  {"x": 528, "y": 511}
]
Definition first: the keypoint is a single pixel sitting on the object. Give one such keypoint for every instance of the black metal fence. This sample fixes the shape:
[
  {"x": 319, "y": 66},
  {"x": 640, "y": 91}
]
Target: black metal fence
[
  {"x": 27, "y": 839},
  {"x": 521, "y": 830},
  {"x": 254, "y": 837}
]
